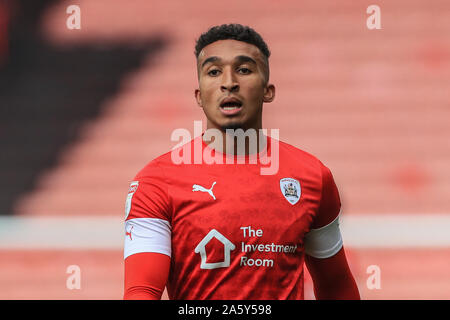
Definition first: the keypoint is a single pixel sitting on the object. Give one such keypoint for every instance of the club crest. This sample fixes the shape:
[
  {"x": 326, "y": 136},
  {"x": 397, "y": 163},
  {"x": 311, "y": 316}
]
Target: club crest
[
  {"x": 133, "y": 187},
  {"x": 291, "y": 190}
]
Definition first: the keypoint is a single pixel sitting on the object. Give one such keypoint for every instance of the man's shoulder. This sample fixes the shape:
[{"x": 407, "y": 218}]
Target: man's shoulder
[
  {"x": 299, "y": 159},
  {"x": 295, "y": 154},
  {"x": 158, "y": 164},
  {"x": 154, "y": 167}
]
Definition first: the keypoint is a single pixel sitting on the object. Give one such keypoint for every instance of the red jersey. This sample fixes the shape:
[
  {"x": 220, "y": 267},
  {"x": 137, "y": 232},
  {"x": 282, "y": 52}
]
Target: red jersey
[{"x": 232, "y": 233}]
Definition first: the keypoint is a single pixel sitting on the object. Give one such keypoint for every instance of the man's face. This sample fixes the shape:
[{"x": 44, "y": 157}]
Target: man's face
[{"x": 233, "y": 85}]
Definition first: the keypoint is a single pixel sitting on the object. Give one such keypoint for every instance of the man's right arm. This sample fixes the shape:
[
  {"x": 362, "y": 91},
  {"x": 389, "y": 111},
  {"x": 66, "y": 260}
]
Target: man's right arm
[{"x": 147, "y": 247}]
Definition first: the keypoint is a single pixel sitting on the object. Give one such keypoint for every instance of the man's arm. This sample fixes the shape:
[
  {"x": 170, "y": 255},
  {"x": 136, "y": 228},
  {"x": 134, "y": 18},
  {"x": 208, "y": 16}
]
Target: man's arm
[
  {"x": 332, "y": 277},
  {"x": 145, "y": 276},
  {"x": 324, "y": 251},
  {"x": 147, "y": 247}
]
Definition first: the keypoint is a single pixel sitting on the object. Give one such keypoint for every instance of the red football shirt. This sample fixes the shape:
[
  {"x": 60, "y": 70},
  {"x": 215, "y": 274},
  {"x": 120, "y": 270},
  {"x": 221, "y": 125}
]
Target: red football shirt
[{"x": 231, "y": 232}]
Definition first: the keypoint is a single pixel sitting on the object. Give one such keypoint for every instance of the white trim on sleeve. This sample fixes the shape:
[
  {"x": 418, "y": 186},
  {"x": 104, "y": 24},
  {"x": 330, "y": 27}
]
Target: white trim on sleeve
[
  {"x": 147, "y": 235},
  {"x": 324, "y": 242}
]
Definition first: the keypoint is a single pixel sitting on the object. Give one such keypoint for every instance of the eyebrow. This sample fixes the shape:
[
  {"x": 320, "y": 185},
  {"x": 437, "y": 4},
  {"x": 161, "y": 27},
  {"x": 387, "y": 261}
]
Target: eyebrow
[
  {"x": 240, "y": 59},
  {"x": 210, "y": 60}
]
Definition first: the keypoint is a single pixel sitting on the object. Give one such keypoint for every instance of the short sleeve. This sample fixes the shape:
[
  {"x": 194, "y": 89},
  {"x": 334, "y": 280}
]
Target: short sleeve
[
  {"x": 148, "y": 214},
  {"x": 330, "y": 203},
  {"x": 324, "y": 239},
  {"x": 148, "y": 195}
]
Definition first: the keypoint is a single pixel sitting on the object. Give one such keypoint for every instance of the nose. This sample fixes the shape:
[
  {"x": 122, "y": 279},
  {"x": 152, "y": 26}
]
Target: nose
[{"x": 229, "y": 82}]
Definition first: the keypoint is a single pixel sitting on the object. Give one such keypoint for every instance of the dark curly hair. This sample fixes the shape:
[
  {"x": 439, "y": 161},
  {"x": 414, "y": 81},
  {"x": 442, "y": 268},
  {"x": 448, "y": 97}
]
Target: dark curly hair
[
  {"x": 231, "y": 31},
  {"x": 234, "y": 31}
]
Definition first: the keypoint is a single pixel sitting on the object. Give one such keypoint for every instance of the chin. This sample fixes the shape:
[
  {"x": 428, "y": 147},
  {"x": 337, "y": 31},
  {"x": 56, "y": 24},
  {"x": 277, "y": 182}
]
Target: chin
[{"x": 232, "y": 126}]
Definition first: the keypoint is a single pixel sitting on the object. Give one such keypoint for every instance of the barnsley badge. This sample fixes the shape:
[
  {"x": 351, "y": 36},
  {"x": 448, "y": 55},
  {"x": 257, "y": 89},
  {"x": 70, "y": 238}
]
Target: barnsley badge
[
  {"x": 291, "y": 190},
  {"x": 133, "y": 187}
]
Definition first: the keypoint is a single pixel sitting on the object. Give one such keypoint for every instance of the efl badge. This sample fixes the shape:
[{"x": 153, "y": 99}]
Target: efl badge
[
  {"x": 133, "y": 187},
  {"x": 291, "y": 190}
]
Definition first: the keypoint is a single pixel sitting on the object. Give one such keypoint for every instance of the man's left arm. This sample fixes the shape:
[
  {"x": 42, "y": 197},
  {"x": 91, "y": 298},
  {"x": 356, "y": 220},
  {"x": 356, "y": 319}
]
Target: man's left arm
[{"x": 325, "y": 256}]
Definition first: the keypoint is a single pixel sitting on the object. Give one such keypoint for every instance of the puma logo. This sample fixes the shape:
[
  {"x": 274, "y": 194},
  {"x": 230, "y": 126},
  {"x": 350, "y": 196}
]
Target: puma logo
[
  {"x": 197, "y": 187},
  {"x": 129, "y": 233}
]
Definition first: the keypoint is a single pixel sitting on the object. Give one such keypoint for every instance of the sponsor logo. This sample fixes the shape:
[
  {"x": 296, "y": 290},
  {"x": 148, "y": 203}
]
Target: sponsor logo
[
  {"x": 201, "y": 248},
  {"x": 253, "y": 253}
]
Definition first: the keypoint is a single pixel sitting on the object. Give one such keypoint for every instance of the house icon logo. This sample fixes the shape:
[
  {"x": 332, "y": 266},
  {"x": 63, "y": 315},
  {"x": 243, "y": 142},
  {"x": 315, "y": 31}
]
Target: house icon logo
[{"x": 201, "y": 248}]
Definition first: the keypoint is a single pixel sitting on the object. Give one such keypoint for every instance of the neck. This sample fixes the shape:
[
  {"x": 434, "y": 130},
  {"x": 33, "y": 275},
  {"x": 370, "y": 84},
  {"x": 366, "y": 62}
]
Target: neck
[{"x": 235, "y": 141}]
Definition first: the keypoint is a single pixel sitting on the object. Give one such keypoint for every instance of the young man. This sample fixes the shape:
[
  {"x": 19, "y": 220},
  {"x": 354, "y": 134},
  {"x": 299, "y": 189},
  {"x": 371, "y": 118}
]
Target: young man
[{"x": 224, "y": 230}]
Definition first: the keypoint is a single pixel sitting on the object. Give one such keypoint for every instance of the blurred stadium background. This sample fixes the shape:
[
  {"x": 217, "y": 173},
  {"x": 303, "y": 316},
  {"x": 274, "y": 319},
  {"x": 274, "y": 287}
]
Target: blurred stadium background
[{"x": 81, "y": 111}]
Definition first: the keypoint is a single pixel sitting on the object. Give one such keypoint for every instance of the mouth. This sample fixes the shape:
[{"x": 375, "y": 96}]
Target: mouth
[{"x": 230, "y": 106}]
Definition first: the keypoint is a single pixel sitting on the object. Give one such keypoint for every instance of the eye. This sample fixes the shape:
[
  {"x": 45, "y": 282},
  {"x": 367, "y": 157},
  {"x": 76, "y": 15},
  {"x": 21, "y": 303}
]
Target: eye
[
  {"x": 244, "y": 71},
  {"x": 214, "y": 72}
]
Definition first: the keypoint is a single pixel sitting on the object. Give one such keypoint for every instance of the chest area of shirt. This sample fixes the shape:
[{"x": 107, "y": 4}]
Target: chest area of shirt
[{"x": 245, "y": 208}]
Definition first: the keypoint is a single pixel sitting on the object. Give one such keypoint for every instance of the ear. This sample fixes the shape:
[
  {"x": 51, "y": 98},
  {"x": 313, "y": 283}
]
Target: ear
[
  {"x": 269, "y": 93},
  {"x": 198, "y": 97}
]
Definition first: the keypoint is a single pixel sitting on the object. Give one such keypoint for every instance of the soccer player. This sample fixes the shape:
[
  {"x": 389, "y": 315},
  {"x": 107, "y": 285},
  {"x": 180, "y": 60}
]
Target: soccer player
[{"x": 226, "y": 231}]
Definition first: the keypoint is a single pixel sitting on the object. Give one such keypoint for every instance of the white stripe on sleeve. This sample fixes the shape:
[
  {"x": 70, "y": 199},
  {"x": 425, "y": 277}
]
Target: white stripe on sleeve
[
  {"x": 324, "y": 242},
  {"x": 147, "y": 235}
]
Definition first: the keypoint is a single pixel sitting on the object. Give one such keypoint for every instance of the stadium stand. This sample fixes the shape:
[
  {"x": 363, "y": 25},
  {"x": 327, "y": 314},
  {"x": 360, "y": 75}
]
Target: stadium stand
[
  {"x": 381, "y": 93},
  {"x": 48, "y": 93}
]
